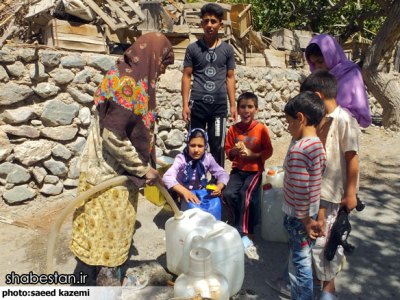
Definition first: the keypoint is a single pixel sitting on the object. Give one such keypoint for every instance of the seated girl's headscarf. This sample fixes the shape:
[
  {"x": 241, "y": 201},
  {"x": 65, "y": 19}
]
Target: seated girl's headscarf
[
  {"x": 191, "y": 164},
  {"x": 351, "y": 93}
]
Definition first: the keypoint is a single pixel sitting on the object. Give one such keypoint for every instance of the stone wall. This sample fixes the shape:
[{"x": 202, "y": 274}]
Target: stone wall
[{"x": 46, "y": 107}]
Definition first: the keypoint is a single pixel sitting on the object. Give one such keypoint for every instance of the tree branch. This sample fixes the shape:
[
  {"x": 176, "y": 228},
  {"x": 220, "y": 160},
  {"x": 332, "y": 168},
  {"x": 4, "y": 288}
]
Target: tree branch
[{"x": 386, "y": 38}]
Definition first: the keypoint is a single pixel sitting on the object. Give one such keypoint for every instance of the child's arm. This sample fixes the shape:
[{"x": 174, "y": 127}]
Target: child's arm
[
  {"x": 217, "y": 172},
  {"x": 230, "y": 148},
  {"x": 185, "y": 194},
  {"x": 349, "y": 199},
  {"x": 170, "y": 178},
  {"x": 321, "y": 220}
]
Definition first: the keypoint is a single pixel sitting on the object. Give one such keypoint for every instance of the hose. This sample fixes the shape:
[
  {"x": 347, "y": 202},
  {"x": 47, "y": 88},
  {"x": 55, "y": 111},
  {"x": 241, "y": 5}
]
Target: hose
[{"x": 116, "y": 181}]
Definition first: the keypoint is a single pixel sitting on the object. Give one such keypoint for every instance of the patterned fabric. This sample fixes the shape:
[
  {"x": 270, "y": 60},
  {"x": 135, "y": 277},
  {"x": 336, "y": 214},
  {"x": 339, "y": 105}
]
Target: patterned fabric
[
  {"x": 304, "y": 165},
  {"x": 103, "y": 227},
  {"x": 131, "y": 82},
  {"x": 127, "y": 93}
]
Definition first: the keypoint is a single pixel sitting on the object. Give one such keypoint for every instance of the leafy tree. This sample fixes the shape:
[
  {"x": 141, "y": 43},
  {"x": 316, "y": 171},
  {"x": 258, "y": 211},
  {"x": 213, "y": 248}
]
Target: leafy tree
[
  {"x": 376, "y": 20},
  {"x": 338, "y": 17},
  {"x": 385, "y": 85}
]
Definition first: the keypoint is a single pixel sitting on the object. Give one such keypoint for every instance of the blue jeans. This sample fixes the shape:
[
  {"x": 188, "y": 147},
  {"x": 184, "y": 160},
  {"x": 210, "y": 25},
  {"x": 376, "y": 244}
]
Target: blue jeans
[{"x": 301, "y": 277}]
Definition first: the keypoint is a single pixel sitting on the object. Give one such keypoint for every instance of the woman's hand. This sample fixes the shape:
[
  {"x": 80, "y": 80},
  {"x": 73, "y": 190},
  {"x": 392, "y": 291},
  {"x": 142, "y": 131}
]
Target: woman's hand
[{"x": 152, "y": 176}]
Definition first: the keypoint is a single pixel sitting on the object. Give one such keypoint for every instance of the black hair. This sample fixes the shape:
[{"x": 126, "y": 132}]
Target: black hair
[
  {"x": 212, "y": 9},
  {"x": 309, "y": 104},
  {"x": 247, "y": 96},
  {"x": 320, "y": 81},
  {"x": 313, "y": 49}
]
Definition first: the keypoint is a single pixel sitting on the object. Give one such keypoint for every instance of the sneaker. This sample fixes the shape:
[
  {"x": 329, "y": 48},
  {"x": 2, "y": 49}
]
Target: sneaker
[
  {"x": 249, "y": 249},
  {"x": 279, "y": 285},
  {"x": 251, "y": 252}
]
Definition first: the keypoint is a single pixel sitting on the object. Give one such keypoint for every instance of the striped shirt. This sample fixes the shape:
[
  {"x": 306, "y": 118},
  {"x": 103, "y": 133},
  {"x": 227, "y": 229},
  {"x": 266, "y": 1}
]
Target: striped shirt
[{"x": 304, "y": 167}]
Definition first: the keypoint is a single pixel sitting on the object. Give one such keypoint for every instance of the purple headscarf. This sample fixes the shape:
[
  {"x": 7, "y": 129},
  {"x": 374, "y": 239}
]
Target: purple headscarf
[{"x": 351, "y": 89}]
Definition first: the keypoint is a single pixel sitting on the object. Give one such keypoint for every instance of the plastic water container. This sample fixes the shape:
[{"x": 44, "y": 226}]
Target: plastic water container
[
  {"x": 201, "y": 278},
  {"x": 197, "y": 228},
  {"x": 272, "y": 228},
  {"x": 208, "y": 203},
  {"x": 274, "y": 177}
]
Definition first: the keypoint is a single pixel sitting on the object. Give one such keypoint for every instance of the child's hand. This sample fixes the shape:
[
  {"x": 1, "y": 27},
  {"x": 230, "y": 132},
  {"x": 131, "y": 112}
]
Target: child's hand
[
  {"x": 350, "y": 202},
  {"x": 235, "y": 152},
  {"x": 312, "y": 228},
  {"x": 321, "y": 224},
  {"x": 189, "y": 196},
  {"x": 218, "y": 189},
  {"x": 242, "y": 149}
]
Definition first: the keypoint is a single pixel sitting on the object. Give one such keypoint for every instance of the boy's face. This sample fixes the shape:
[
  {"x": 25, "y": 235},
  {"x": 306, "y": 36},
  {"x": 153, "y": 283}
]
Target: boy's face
[
  {"x": 294, "y": 127},
  {"x": 247, "y": 110},
  {"x": 210, "y": 24},
  {"x": 196, "y": 147}
]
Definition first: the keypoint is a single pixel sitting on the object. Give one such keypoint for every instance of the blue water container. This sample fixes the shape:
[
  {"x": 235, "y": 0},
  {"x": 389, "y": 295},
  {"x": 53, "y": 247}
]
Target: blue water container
[{"x": 208, "y": 203}]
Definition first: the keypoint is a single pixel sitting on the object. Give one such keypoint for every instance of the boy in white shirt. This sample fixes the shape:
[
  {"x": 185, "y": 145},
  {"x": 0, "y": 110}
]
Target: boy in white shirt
[{"x": 339, "y": 133}]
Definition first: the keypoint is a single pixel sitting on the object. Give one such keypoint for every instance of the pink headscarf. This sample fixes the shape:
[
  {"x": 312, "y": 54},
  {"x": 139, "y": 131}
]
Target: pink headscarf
[{"x": 351, "y": 89}]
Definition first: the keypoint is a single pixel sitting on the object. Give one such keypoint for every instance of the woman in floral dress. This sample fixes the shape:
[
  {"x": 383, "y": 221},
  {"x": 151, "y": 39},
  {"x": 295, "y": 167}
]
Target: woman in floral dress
[{"x": 120, "y": 142}]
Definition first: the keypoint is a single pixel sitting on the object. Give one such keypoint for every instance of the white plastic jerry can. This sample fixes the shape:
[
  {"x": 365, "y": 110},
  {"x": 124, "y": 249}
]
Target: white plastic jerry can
[
  {"x": 180, "y": 229},
  {"x": 272, "y": 228},
  {"x": 201, "y": 279},
  {"x": 274, "y": 177},
  {"x": 197, "y": 228}
]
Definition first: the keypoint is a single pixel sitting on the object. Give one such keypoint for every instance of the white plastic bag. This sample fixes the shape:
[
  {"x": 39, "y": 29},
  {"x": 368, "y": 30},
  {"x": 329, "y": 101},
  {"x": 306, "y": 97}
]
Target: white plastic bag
[{"x": 78, "y": 9}]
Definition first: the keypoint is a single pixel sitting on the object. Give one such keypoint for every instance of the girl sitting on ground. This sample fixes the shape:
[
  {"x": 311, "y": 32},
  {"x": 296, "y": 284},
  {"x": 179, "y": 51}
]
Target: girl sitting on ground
[{"x": 190, "y": 168}]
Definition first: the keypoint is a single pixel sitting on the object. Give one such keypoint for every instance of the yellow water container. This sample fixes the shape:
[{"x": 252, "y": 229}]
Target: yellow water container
[{"x": 152, "y": 193}]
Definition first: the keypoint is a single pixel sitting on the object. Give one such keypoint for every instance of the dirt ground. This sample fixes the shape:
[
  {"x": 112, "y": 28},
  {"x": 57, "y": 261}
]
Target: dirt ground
[{"x": 371, "y": 271}]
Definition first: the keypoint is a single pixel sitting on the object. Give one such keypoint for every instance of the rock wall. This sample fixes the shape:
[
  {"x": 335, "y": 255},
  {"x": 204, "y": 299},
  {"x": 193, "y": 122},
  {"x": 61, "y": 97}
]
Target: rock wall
[{"x": 46, "y": 108}]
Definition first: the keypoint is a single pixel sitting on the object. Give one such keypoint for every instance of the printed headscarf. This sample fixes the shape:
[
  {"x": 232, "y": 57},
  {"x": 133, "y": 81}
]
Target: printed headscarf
[
  {"x": 195, "y": 165},
  {"x": 131, "y": 82},
  {"x": 144, "y": 59},
  {"x": 126, "y": 98},
  {"x": 351, "y": 92}
]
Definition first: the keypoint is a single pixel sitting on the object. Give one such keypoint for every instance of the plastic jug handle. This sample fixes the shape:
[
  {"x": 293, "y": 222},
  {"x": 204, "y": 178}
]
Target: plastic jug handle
[
  {"x": 187, "y": 246},
  {"x": 214, "y": 232}
]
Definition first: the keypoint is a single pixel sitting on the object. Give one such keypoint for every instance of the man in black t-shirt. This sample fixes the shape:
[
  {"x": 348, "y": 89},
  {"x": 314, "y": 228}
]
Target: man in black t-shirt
[{"x": 211, "y": 61}]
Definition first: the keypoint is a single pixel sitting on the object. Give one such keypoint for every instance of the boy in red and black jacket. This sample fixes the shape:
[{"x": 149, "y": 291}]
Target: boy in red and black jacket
[{"x": 248, "y": 146}]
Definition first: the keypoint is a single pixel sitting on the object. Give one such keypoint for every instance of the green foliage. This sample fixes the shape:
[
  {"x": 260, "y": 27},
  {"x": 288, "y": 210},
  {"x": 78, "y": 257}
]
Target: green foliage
[{"x": 317, "y": 16}]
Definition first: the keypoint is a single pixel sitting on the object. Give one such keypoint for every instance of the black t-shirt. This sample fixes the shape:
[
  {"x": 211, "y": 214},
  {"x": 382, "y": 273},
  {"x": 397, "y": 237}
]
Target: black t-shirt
[{"x": 210, "y": 66}]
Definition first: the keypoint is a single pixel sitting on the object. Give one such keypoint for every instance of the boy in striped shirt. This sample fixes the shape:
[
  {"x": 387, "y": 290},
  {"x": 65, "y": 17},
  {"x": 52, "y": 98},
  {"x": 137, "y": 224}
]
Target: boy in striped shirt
[{"x": 304, "y": 165}]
